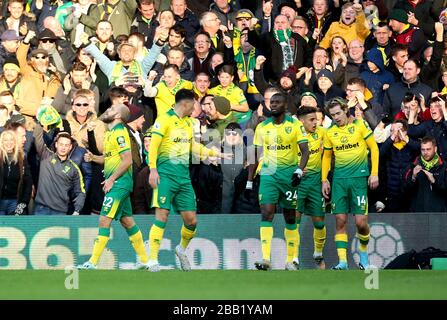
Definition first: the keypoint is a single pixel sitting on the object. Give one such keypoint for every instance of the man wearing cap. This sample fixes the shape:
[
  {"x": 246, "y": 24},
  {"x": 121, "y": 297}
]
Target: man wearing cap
[
  {"x": 185, "y": 18},
  {"x": 406, "y": 33},
  {"x": 286, "y": 84},
  {"x": 218, "y": 112},
  {"x": 325, "y": 88},
  {"x": 61, "y": 59},
  {"x": 37, "y": 82},
  {"x": 115, "y": 70},
  {"x": 421, "y": 14},
  {"x": 10, "y": 79},
  {"x": 9, "y": 45}
]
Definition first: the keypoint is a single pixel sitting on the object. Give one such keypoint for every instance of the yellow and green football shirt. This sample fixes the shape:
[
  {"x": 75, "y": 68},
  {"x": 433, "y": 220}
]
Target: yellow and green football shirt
[
  {"x": 235, "y": 95},
  {"x": 280, "y": 142},
  {"x": 175, "y": 146},
  {"x": 165, "y": 98},
  {"x": 117, "y": 141},
  {"x": 350, "y": 149},
  {"x": 315, "y": 151}
]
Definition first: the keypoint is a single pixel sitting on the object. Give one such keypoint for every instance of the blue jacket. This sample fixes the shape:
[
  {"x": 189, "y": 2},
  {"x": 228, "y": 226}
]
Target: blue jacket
[{"x": 375, "y": 81}]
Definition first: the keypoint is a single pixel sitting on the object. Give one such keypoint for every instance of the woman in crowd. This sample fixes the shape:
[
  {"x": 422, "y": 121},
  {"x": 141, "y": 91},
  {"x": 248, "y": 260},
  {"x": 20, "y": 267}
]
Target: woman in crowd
[{"x": 15, "y": 178}]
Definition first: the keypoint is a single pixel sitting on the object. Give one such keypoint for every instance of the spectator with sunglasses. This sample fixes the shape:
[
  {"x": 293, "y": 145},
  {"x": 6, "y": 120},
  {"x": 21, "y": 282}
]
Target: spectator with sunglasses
[
  {"x": 37, "y": 80},
  {"x": 59, "y": 51},
  {"x": 80, "y": 118}
]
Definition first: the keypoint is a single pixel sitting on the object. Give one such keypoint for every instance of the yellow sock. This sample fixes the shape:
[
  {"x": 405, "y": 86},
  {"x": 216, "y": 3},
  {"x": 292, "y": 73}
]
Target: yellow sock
[
  {"x": 341, "y": 243},
  {"x": 155, "y": 237},
  {"x": 266, "y": 231},
  {"x": 100, "y": 244},
  {"x": 297, "y": 248},
  {"x": 291, "y": 237},
  {"x": 363, "y": 242},
  {"x": 319, "y": 236},
  {"x": 136, "y": 239},
  {"x": 187, "y": 233}
]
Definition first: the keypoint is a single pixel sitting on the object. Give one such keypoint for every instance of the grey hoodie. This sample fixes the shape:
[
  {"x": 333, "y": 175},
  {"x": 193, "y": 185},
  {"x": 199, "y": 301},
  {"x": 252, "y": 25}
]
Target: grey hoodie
[{"x": 57, "y": 178}]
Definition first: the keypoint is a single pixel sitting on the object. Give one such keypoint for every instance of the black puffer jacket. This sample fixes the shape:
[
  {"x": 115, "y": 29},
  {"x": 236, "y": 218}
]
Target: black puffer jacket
[
  {"x": 15, "y": 181},
  {"x": 425, "y": 196},
  {"x": 437, "y": 130},
  {"x": 396, "y": 163}
]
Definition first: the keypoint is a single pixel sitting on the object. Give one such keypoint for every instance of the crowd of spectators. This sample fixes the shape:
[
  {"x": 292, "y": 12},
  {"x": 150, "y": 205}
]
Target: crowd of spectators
[{"x": 63, "y": 63}]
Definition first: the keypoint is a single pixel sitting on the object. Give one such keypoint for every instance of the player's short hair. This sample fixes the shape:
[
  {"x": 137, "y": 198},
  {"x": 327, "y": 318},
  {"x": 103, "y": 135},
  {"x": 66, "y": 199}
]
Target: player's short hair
[
  {"x": 280, "y": 94},
  {"x": 358, "y": 81},
  {"x": 117, "y": 92},
  {"x": 63, "y": 134},
  {"x": 305, "y": 110},
  {"x": 428, "y": 139},
  {"x": 226, "y": 68},
  {"x": 14, "y": 126},
  {"x": 184, "y": 94},
  {"x": 22, "y": 2},
  {"x": 337, "y": 101}
]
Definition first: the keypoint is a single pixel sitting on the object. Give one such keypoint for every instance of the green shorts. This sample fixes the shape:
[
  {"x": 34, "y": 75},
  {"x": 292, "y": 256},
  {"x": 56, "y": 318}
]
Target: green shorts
[
  {"x": 277, "y": 189},
  {"x": 310, "y": 199},
  {"x": 175, "y": 191},
  {"x": 117, "y": 204},
  {"x": 350, "y": 195}
]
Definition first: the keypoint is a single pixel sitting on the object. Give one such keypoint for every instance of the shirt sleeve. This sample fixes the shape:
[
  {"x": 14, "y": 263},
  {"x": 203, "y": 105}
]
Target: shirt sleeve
[
  {"x": 366, "y": 130},
  {"x": 301, "y": 135},
  {"x": 327, "y": 144},
  {"x": 122, "y": 140}
]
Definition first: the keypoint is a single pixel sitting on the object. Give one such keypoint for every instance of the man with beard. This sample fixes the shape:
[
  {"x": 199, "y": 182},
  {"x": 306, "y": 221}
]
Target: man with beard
[
  {"x": 77, "y": 79},
  {"x": 278, "y": 141},
  {"x": 169, "y": 155},
  {"x": 286, "y": 84},
  {"x": 351, "y": 25},
  {"x": 117, "y": 187},
  {"x": 38, "y": 81}
]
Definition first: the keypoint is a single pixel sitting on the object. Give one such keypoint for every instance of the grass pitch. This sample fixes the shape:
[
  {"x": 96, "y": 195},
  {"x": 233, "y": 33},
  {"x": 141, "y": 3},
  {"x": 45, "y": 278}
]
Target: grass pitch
[{"x": 215, "y": 284}]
